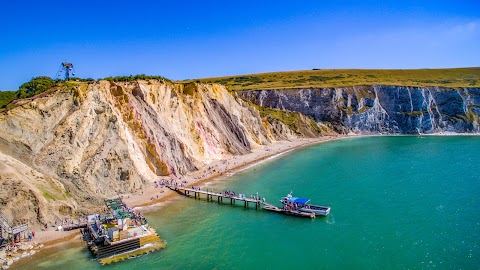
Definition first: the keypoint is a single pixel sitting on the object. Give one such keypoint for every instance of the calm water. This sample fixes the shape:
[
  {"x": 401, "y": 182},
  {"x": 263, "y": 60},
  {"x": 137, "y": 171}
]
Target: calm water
[{"x": 397, "y": 203}]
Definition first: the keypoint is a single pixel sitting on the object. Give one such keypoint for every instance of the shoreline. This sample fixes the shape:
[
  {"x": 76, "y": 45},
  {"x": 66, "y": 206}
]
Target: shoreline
[
  {"x": 148, "y": 200},
  {"x": 153, "y": 198},
  {"x": 255, "y": 157}
]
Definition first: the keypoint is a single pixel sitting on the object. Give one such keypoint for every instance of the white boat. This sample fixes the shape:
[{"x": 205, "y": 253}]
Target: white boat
[{"x": 301, "y": 204}]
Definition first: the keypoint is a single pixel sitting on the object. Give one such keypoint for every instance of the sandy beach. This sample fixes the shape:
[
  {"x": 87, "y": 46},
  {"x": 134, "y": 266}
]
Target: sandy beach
[{"x": 158, "y": 196}]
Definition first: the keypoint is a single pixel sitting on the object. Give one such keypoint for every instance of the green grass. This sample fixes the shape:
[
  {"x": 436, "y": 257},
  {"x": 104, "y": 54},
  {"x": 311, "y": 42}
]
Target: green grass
[
  {"x": 449, "y": 77},
  {"x": 51, "y": 190},
  {"x": 48, "y": 195},
  {"x": 287, "y": 117},
  {"x": 6, "y": 97}
]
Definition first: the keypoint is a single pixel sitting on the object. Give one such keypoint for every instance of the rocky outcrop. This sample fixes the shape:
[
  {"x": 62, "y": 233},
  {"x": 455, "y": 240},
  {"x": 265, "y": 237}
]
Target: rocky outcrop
[
  {"x": 63, "y": 152},
  {"x": 379, "y": 108}
]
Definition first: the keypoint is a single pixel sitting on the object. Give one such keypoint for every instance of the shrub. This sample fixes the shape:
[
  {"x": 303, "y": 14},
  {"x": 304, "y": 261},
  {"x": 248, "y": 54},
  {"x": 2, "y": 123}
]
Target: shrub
[
  {"x": 132, "y": 78},
  {"x": 35, "y": 86},
  {"x": 6, "y": 97}
]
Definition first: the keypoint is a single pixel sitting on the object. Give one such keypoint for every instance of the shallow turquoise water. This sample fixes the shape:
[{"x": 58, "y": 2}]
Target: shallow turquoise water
[{"x": 397, "y": 203}]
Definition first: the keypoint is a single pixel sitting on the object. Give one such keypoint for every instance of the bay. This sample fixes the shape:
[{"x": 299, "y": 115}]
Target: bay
[{"x": 398, "y": 202}]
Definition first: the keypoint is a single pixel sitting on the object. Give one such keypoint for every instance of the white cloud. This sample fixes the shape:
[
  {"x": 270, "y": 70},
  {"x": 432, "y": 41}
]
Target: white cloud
[{"x": 469, "y": 27}]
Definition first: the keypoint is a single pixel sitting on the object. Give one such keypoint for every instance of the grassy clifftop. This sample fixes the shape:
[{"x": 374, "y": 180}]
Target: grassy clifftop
[
  {"x": 7, "y": 97},
  {"x": 450, "y": 77}
]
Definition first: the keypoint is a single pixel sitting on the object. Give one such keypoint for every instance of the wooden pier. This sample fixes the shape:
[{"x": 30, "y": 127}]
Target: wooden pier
[{"x": 209, "y": 195}]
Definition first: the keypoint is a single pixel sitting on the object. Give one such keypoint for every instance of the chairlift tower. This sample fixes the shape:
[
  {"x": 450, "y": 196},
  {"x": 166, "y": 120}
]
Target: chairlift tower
[{"x": 66, "y": 68}]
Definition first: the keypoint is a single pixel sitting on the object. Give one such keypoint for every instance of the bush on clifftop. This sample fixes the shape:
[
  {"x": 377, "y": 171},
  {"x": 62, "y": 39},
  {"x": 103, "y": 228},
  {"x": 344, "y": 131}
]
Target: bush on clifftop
[
  {"x": 35, "y": 86},
  {"x": 134, "y": 78}
]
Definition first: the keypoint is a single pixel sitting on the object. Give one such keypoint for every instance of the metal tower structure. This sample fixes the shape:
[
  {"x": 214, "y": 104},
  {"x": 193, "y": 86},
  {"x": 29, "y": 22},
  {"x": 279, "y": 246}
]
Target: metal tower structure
[
  {"x": 10, "y": 232},
  {"x": 67, "y": 69},
  {"x": 5, "y": 227}
]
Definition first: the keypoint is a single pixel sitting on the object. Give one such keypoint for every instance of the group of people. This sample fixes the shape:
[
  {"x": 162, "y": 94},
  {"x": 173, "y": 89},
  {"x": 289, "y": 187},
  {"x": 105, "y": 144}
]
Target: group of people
[
  {"x": 137, "y": 219},
  {"x": 290, "y": 206},
  {"x": 31, "y": 235},
  {"x": 12, "y": 247},
  {"x": 161, "y": 182},
  {"x": 229, "y": 193}
]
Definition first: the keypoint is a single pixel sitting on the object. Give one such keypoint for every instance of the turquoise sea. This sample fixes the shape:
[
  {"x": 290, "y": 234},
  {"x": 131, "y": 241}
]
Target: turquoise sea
[{"x": 397, "y": 203}]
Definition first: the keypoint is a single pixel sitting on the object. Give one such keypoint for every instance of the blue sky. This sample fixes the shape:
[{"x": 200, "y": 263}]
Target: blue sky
[{"x": 182, "y": 40}]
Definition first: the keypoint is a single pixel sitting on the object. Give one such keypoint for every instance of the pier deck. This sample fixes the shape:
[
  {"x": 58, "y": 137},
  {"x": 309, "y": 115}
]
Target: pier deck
[
  {"x": 219, "y": 196},
  {"x": 73, "y": 226}
]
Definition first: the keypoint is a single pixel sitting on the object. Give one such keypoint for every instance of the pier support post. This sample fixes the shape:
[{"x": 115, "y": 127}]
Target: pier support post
[{"x": 246, "y": 203}]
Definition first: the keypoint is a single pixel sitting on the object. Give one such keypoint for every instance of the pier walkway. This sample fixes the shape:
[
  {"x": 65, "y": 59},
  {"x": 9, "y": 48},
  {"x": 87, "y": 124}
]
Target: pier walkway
[
  {"x": 73, "y": 226},
  {"x": 233, "y": 197}
]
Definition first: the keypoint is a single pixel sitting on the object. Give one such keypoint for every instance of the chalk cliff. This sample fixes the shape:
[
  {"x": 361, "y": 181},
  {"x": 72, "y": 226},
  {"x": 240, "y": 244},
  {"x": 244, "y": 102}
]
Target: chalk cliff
[
  {"x": 380, "y": 108},
  {"x": 64, "y": 151}
]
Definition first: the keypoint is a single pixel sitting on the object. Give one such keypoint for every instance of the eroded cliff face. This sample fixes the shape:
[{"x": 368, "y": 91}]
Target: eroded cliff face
[
  {"x": 64, "y": 152},
  {"x": 380, "y": 109}
]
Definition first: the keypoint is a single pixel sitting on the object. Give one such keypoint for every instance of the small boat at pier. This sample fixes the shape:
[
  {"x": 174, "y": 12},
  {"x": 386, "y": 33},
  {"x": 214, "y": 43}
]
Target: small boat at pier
[{"x": 302, "y": 205}]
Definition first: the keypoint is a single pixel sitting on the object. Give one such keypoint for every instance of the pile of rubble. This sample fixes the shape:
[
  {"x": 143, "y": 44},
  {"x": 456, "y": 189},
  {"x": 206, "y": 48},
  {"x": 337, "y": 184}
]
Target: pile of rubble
[{"x": 12, "y": 253}]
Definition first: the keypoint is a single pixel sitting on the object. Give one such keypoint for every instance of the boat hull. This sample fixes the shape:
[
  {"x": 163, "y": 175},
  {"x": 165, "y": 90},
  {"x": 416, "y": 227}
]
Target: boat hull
[
  {"x": 318, "y": 212},
  {"x": 288, "y": 212}
]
